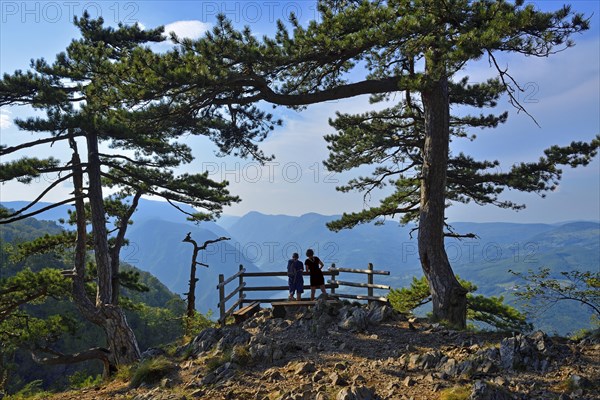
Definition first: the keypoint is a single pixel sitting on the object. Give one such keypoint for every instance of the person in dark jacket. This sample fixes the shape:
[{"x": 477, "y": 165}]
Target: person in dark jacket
[
  {"x": 313, "y": 267},
  {"x": 295, "y": 279}
]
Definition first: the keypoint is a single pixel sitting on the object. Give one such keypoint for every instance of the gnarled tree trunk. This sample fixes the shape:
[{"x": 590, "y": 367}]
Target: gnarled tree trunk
[
  {"x": 448, "y": 296},
  {"x": 122, "y": 343}
]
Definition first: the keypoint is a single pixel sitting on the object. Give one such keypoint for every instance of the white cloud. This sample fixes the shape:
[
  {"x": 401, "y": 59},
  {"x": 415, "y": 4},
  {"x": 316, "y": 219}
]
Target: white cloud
[
  {"x": 5, "y": 120},
  {"x": 192, "y": 29}
]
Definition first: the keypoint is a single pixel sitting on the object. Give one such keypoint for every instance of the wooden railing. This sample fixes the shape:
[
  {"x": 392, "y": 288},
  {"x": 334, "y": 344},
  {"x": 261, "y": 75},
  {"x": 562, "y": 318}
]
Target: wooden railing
[{"x": 242, "y": 289}]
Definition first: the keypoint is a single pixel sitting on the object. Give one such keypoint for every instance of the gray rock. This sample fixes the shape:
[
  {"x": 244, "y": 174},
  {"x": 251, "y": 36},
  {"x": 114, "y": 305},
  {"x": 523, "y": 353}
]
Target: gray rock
[
  {"x": 152, "y": 352},
  {"x": 356, "y": 321},
  {"x": 378, "y": 313},
  {"x": 579, "y": 382},
  {"x": 305, "y": 368},
  {"x": 337, "y": 380},
  {"x": 272, "y": 375},
  {"x": 357, "y": 393},
  {"x": 486, "y": 391},
  {"x": 233, "y": 336},
  {"x": 205, "y": 341}
]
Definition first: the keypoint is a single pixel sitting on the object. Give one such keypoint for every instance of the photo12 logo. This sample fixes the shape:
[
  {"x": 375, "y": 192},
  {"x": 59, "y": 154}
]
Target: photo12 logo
[
  {"x": 252, "y": 12},
  {"x": 65, "y": 11},
  {"x": 271, "y": 172},
  {"x": 267, "y": 252}
]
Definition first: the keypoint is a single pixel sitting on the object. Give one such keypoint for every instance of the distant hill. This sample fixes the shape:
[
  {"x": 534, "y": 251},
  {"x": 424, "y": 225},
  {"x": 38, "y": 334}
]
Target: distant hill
[
  {"x": 156, "y": 246},
  {"x": 265, "y": 242}
]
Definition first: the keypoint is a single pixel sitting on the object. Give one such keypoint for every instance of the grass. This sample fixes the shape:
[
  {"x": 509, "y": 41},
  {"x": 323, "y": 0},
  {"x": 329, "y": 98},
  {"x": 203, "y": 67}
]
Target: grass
[
  {"x": 214, "y": 362},
  {"x": 241, "y": 355},
  {"x": 151, "y": 371},
  {"x": 81, "y": 380},
  {"x": 32, "y": 391},
  {"x": 456, "y": 393}
]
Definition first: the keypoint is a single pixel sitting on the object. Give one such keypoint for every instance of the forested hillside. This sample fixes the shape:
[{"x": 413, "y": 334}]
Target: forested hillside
[
  {"x": 267, "y": 241},
  {"x": 155, "y": 315}
]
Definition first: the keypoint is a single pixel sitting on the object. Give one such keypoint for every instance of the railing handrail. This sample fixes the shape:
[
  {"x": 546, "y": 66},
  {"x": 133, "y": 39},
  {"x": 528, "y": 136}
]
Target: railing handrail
[
  {"x": 236, "y": 275},
  {"x": 332, "y": 284},
  {"x": 284, "y": 273},
  {"x": 361, "y": 271}
]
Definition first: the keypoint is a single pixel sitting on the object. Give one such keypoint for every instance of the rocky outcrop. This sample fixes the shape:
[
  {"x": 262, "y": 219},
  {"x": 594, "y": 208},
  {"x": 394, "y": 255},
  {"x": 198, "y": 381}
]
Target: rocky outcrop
[{"x": 344, "y": 351}]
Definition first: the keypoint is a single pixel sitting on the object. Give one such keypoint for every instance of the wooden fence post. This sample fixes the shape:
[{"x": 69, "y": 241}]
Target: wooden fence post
[
  {"x": 370, "y": 281},
  {"x": 241, "y": 281},
  {"x": 222, "y": 299},
  {"x": 333, "y": 276}
]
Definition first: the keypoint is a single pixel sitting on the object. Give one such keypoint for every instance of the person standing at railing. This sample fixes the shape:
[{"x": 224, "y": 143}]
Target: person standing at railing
[
  {"x": 313, "y": 266},
  {"x": 295, "y": 279}
]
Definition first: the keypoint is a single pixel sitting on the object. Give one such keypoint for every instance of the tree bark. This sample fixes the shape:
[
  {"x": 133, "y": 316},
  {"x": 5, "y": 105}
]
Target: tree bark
[
  {"x": 448, "y": 296},
  {"x": 121, "y": 340},
  {"x": 116, "y": 249},
  {"x": 101, "y": 249},
  {"x": 120, "y": 337}
]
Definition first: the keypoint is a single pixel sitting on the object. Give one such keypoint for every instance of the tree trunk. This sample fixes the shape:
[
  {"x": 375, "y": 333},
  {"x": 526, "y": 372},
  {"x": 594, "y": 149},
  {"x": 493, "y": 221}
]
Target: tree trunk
[
  {"x": 121, "y": 340},
  {"x": 120, "y": 337},
  {"x": 191, "y": 294},
  {"x": 448, "y": 296},
  {"x": 118, "y": 244},
  {"x": 101, "y": 249}
]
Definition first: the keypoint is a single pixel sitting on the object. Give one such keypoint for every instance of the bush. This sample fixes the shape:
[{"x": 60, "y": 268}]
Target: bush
[
  {"x": 489, "y": 310},
  {"x": 151, "y": 371},
  {"x": 456, "y": 393},
  {"x": 31, "y": 391},
  {"x": 80, "y": 380},
  {"x": 197, "y": 323}
]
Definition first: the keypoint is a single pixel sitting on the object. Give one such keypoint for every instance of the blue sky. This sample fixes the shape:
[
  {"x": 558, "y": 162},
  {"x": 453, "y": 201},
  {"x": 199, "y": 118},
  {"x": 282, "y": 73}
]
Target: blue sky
[{"x": 562, "y": 92}]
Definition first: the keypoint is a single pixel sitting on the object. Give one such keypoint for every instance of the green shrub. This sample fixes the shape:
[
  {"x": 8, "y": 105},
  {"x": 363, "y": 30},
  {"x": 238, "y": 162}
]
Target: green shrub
[
  {"x": 151, "y": 371},
  {"x": 197, "y": 323},
  {"x": 456, "y": 393},
  {"x": 80, "y": 380},
  {"x": 31, "y": 391},
  {"x": 489, "y": 310}
]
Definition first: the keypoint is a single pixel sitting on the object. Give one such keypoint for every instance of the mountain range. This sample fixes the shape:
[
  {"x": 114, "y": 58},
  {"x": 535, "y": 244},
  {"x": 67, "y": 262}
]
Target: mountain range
[{"x": 266, "y": 242}]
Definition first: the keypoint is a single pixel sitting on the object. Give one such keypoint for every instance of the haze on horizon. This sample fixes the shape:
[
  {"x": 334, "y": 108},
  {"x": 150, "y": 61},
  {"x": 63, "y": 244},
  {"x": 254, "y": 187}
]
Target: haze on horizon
[{"x": 562, "y": 92}]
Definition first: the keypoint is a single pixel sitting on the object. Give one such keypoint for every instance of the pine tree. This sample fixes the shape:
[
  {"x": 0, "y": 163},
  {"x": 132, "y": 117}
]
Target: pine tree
[
  {"x": 88, "y": 103},
  {"x": 399, "y": 47}
]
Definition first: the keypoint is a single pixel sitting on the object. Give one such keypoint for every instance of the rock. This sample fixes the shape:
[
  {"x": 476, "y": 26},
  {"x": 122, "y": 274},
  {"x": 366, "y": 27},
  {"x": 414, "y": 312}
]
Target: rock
[
  {"x": 305, "y": 368},
  {"x": 500, "y": 381},
  {"x": 232, "y": 336},
  {"x": 205, "y": 341},
  {"x": 356, "y": 393},
  {"x": 408, "y": 381},
  {"x": 486, "y": 391},
  {"x": 337, "y": 380},
  {"x": 356, "y": 321},
  {"x": 198, "y": 394},
  {"x": 152, "y": 352},
  {"x": 317, "y": 376},
  {"x": 378, "y": 313},
  {"x": 358, "y": 379},
  {"x": 321, "y": 396},
  {"x": 167, "y": 383},
  {"x": 413, "y": 362},
  {"x": 579, "y": 382},
  {"x": 272, "y": 375},
  {"x": 340, "y": 366}
]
